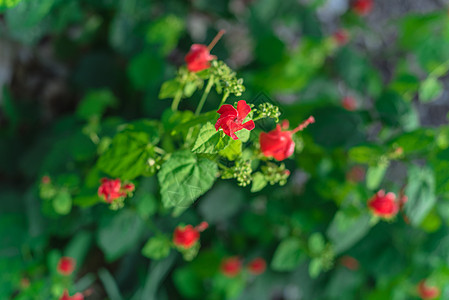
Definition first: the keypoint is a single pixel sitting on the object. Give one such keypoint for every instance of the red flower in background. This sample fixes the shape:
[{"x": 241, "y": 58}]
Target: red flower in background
[
  {"x": 362, "y": 7},
  {"x": 257, "y": 266},
  {"x": 187, "y": 236},
  {"x": 231, "y": 266},
  {"x": 231, "y": 119},
  {"x": 278, "y": 143},
  {"x": 66, "y": 265},
  {"x": 111, "y": 189},
  {"x": 427, "y": 292},
  {"x": 66, "y": 296},
  {"x": 350, "y": 262},
  {"x": 45, "y": 179},
  {"x": 349, "y": 103},
  {"x": 356, "y": 174},
  {"x": 384, "y": 205},
  {"x": 199, "y": 56},
  {"x": 341, "y": 37}
]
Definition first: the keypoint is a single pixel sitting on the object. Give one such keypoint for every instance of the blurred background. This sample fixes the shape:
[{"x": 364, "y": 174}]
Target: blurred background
[{"x": 373, "y": 75}]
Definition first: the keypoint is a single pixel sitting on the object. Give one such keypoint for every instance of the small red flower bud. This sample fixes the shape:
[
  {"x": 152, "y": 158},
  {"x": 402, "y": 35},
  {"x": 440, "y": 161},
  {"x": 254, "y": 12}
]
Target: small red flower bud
[
  {"x": 362, "y": 7},
  {"x": 257, "y": 266},
  {"x": 202, "y": 226},
  {"x": 110, "y": 190},
  {"x": 45, "y": 179},
  {"x": 384, "y": 205},
  {"x": 349, "y": 103},
  {"x": 129, "y": 187},
  {"x": 66, "y": 265},
  {"x": 231, "y": 266},
  {"x": 356, "y": 174},
  {"x": 231, "y": 119},
  {"x": 278, "y": 143},
  {"x": 185, "y": 237},
  {"x": 350, "y": 262},
  {"x": 341, "y": 37},
  {"x": 66, "y": 296},
  {"x": 427, "y": 292}
]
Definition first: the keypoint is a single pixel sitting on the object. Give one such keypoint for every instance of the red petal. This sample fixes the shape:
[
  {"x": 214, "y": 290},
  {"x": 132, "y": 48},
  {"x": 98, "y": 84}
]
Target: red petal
[
  {"x": 227, "y": 110},
  {"x": 243, "y": 109},
  {"x": 249, "y": 125}
]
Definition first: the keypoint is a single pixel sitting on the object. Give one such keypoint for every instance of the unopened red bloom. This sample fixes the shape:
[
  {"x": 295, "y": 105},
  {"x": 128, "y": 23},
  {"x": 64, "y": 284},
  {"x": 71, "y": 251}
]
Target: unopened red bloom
[
  {"x": 257, "y": 266},
  {"x": 66, "y": 265},
  {"x": 231, "y": 266},
  {"x": 129, "y": 187},
  {"x": 279, "y": 144},
  {"x": 384, "y": 205},
  {"x": 198, "y": 58},
  {"x": 45, "y": 179},
  {"x": 110, "y": 189},
  {"x": 350, "y": 262},
  {"x": 427, "y": 292},
  {"x": 349, "y": 103},
  {"x": 362, "y": 7},
  {"x": 356, "y": 174},
  {"x": 187, "y": 236},
  {"x": 341, "y": 37},
  {"x": 66, "y": 296},
  {"x": 231, "y": 119}
]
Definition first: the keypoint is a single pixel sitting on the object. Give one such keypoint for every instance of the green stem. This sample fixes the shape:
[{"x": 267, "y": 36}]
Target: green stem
[
  {"x": 176, "y": 100},
  {"x": 223, "y": 100},
  {"x": 210, "y": 83}
]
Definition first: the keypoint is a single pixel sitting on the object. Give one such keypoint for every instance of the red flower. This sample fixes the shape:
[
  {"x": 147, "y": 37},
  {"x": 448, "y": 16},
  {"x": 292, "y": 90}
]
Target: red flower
[
  {"x": 427, "y": 292},
  {"x": 257, "y": 266},
  {"x": 231, "y": 119},
  {"x": 66, "y": 265},
  {"x": 341, "y": 37},
  {"x": 278, "y": 143},
  {"x": 45, "y": 179},
  {"x": 350, "y": 262},
  {"x": 384, "y": 205},
  {"x": 231, "y": 266},
  {"x": 362, "y": 7},
  {"x": 198, "y": 58},
  {"x": 356, "y": 174},
  {"x": 111, "y": 189},
  {"x": 187, "y": 236},
  {"x": 349, "y": 103},
  {"x": 77, "y": 296}
]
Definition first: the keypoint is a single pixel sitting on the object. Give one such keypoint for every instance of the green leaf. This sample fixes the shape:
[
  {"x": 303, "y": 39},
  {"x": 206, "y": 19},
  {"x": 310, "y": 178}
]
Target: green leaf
[
  {"x": 188, "y": 283},
  {"x": 258, "y": 182},
  {"x": 109, "y": 284},
  {"x": 375, "y": 175},
  {"x": 347, "y": 228},
  {"x": 440, "y": 164},
  {"x": 62, "y": 203},
  {"x": 430, "y": 89},
  {"x": 128, "y": 155},
  {"x": 8, "y": 3},
  {"x": 418, "y": 141},
  {"x": 316, "y": 243},
  {"x": 233, "y": 150},
  {"x": 315, "y": 267},
  {"x": 420, "y": 191},
  {"x": 119, "y": 233},
  {"x": 394, "y": 111},
  {"x": 288, "y": 255},
  {"x": 169, "y": 89},
  {"x": 144, "y": 70},
  {"x": 184, "y": 177},
  {"x": 165, "y": 32},
  {"x": 366, "y": 154},
  {"x": 157, "y": 247},
  {"x": 243, "y": 135},
  {"x": 207, "y": 140},
  {"x": 95, "y": 103}
]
